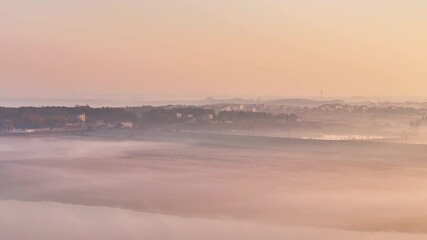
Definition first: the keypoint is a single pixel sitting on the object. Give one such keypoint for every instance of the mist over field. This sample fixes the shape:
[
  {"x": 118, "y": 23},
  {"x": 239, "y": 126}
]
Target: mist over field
[
  {"x": 213, "y": 119},
  {"x": 200, "y": 186}
]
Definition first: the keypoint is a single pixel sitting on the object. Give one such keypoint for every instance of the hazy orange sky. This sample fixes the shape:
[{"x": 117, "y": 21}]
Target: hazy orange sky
[{"x": 170, "y": 48}]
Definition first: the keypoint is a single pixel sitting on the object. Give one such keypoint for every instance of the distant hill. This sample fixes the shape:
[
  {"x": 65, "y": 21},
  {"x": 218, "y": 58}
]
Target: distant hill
[
  {"x": 211, "y": 100},
  {"x": 303, "y": 102},
  {"x": 286, "y": 101}
]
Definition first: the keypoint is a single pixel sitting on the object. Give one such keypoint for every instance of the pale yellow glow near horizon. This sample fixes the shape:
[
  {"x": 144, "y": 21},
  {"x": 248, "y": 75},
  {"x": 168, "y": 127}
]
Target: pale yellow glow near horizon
[{"x": 207, "y": 48}]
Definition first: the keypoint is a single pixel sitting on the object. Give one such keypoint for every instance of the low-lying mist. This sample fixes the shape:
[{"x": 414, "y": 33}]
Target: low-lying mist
[{"x": 210, "y": 187}]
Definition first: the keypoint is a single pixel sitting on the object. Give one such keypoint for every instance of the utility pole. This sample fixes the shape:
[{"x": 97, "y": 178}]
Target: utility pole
[{"x": 321, "y": 95}]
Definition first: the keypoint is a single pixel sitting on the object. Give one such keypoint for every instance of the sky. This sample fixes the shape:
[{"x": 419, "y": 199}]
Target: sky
[{"x": 201, "y": 48}]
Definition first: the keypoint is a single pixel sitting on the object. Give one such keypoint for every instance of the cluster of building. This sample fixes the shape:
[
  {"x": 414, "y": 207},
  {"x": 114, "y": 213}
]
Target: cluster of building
[
  {"x": 79, "y": 122},
  {"x": 244, "y": 108},
  {"x": 273, "y": 109},
  {"x": 191, "y": 118},
  {"x": 287, "y": 109},
  {"x": 75, "y": 122},
  {"x": 339, "y": 107}
]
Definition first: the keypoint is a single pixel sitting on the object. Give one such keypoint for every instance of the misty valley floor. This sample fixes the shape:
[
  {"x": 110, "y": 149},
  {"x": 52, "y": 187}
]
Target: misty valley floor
[{"x": 133, "y": 185}]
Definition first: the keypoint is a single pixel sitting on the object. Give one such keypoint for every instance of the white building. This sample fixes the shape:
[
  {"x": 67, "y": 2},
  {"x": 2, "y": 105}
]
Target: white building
[
  {"x": 127, "y": 124},
  {"x": 82, "y": 117}
]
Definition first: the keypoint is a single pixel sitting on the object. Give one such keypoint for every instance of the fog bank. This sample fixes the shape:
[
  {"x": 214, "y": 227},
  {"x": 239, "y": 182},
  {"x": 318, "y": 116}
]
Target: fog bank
[
  {"x": 185, "y": 187},
  {"x": 41, "y": 221}
]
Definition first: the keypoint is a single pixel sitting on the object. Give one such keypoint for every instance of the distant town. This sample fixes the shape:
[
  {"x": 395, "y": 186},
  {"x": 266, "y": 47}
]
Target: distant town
[{"x": 300, "y": 119}]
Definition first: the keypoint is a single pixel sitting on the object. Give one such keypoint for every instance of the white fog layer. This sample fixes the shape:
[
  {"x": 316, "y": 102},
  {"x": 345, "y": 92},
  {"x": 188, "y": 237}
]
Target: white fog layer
[{"x": 183, "y": 186}]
